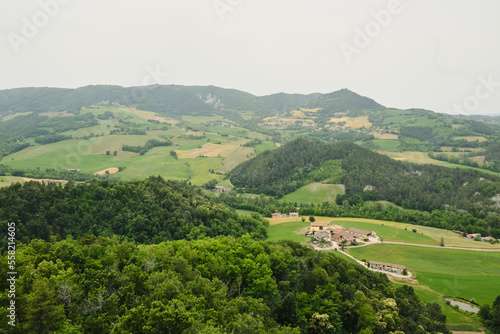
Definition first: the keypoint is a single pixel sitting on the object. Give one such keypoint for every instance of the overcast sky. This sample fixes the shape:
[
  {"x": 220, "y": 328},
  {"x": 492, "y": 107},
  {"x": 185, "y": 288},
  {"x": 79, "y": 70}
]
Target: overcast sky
[{"x": 438, "y": 55}]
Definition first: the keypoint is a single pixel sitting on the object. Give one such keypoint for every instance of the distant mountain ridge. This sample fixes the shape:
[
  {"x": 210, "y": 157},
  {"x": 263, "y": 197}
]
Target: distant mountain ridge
[{"x": 173, "y": 99}]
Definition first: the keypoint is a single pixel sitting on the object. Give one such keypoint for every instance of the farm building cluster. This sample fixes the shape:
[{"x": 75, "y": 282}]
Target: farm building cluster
[
  {"x": 321, "y": 232},
  {"x": 285, "y": 215},
  {"x": 392, "y": 268},
  {"x": 476, "y": 237},
  {"x": 220, "y": 189}
]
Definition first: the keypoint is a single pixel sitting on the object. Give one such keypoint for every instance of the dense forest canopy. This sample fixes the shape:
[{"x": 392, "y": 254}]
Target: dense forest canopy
[
  {"x": 146, "y": 211},
  {"x": 222, "y": 285}
]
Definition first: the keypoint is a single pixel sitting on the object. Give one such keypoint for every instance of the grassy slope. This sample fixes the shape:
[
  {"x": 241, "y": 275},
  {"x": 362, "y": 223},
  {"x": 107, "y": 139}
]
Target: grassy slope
[
  {"x": 6, "y": 181},
  {"x": 287, "y": 231},
  {"x": 316, "y": 193}
]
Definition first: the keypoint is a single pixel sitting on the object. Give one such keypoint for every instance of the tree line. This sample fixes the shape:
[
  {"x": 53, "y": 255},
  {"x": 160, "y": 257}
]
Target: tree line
[
  {"x": 149, "y": 211},
  {"x": 150, "y": 144}
]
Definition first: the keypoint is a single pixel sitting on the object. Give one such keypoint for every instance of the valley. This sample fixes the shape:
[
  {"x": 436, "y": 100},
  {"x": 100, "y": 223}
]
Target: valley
[{"x": 215, "y": 163}]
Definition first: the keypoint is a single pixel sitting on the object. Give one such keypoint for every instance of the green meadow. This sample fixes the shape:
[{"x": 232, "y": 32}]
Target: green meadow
[
  {"x": 287, "y": 231},
  {"x": 390, "y": 233},
  {"x": 388, "y": 145},
  {"x": 316, "y": 193},
  {"x": 264, "y": 146}
]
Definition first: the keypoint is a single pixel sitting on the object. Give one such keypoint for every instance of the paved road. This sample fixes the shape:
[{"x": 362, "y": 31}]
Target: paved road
[
  {"x": 364, "y": 264},
  {"x": 407, "y": 244}
]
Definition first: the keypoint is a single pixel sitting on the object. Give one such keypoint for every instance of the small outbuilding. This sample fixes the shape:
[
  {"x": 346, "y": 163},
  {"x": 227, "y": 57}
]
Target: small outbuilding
[{"x": 318, "y": 226}]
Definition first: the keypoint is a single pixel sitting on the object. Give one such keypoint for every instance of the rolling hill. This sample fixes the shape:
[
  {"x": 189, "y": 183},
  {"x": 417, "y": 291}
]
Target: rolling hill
[
  {"x": 44, "y": 127},
  {"x": 367, "y": 175}
]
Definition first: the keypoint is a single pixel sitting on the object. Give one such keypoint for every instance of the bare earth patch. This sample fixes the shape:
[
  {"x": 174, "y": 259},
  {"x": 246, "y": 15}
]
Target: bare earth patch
[
  {"x": 479, "y": 159},
  {"x": 311, "y": 110},
  {"x": 461, "y": 149},
  {"x": 472, "y": 138},
  {"x": 110, "y": 170},
  {"x": 355, "y": 123}
]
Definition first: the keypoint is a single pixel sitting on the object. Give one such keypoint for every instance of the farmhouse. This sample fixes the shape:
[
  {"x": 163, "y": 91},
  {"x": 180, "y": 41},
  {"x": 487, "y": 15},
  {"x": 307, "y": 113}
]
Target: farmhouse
[
  {"x": 359, "y": 233},
  {"x": 344, "y": 235},
  {"x": 284, "y": 215},
  {"x": 392, "y": 268},
  {"x": 474, "y": 235},
  {"x": 220, "y": 189},
  {"x": 322, "y": 236},
  {"x": 487, "y": 239},
  {"x": 318, "y": 226},
  {"x": 334, "y": 230}
]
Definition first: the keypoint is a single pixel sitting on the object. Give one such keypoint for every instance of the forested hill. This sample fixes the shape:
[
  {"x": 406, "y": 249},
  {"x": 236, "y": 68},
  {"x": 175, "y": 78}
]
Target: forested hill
[
  {"x": 368, "y": 175},
  {"x": 148, "y": 211},
  {"x": 171, "y": 99},
  {"x": 209, "y": 286}
]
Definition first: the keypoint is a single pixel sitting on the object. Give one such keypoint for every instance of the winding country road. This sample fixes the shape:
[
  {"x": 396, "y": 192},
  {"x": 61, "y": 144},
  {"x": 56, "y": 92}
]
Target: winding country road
[
  {"x": 430, "y": 246},
  {"x": 398, "y": 243}
]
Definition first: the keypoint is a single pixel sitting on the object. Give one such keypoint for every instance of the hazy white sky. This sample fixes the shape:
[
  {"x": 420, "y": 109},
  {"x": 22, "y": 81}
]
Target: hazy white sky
[{"x": 438, "y": 55}]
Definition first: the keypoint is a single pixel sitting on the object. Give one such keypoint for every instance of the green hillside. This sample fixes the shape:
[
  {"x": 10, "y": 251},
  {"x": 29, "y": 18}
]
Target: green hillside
[
  {"x": 315, "y": 193},
  {"x": 46, "y": 116},
  {"x": 369, "y": 176}
]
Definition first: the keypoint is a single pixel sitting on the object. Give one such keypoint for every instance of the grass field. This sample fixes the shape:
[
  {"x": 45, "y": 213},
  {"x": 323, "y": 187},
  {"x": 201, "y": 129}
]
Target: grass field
[
  {"x": 245, "y": 212},
  {"x": 210, "y": 150},
  {"x": 316, "y": 193},
  {"x": 387, "y": 144},
  {"x": 264, "y": 146},
  {"x": 388, "y": 136},
  {"x": 461, "y": 149},
  {"x": 450, "y": 272},
  {"x": 9, "y": 117},
  {"x": 350, "y": 122},
  {"x": 389, "y": 233},
  {"x": 298, "y": 114},
  {"x": 224, "y": 183},
  {"x": 311, "y": 110},
  {"x": 471, "y": 138},
  {"x": 151, "y": 115},
  {"x": 454, "y": 318},
  {"x": 141, "y": 167},
  {"x": 65, "y": 155},
  {"x": 406, "y": 117},
  {"x": 287, "y": 231},
  {"x": 201, "y": 119},
  {"x": 6, "y": 181},
  {"x": 239, "y": 155},
  {"x": 232, "y": 131}
]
